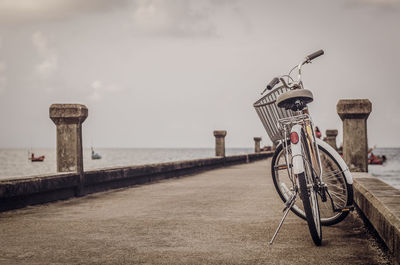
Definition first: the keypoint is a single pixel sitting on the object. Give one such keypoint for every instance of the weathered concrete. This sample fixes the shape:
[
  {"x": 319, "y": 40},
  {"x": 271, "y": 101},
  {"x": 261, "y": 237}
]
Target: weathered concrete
[
  {"x": 331, "y": 138},
  {"x": 19, "y": 193},
  {"x": 354, "y": 114},
  {"x": 380, "y": 204},
  {"x": 68, "y": 119},
  {"x": 223, "y": 216},
  {"x": 257, "y": 142},
  {"x": 220, "y": 143}
]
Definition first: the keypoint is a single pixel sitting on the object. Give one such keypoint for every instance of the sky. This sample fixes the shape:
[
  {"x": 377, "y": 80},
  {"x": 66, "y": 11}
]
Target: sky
[{"x": 167, "y": 73}]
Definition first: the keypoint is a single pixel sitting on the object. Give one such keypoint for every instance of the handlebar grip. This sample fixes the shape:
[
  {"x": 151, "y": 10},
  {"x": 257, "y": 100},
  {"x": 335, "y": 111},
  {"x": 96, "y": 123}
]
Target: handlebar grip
[
  {"x": 314, "y": 55},
  {"x": 272, "y": 83}
]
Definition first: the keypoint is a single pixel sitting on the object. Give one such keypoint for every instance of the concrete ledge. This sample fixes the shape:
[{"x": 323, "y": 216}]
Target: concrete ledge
[
  {"x": 380, "y": 204},
  {"x": 18, "y": 193}
]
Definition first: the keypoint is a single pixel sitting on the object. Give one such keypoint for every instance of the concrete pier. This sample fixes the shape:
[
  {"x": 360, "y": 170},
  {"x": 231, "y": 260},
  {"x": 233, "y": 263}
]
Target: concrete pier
[
  {"x": 18, "y": 193},
  {"x": 354, "y": 114},
  {"x": 68, "y": 119},
  {"x": 380, "y": 206},
  {"x": 331, "y": 138},
  {"x": 222, "y": 216},
  {"x": 220, "y": 143},
  {"x": 257, "y": 142}
]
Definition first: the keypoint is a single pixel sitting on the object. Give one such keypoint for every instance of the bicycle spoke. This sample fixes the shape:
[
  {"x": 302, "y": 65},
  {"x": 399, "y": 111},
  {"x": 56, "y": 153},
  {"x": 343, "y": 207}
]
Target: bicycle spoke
[{"x": 338, "y": 198}]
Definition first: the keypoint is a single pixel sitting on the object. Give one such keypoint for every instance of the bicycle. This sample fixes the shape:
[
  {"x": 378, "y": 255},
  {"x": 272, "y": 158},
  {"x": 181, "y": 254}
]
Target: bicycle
[{"x": 303, "y": 165}]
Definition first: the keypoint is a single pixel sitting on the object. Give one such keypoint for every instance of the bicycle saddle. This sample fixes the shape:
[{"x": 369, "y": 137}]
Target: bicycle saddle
[{"x": 288, "y": 99}]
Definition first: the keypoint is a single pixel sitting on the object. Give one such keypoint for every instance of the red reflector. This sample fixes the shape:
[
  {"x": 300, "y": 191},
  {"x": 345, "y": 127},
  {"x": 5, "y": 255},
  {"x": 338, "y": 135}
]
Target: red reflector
[{"x": 294, "y": 137}]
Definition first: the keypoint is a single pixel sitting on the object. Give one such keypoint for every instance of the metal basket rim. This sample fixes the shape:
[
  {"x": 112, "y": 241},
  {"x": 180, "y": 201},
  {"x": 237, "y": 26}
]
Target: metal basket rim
[{"x": 269, "y": 102}]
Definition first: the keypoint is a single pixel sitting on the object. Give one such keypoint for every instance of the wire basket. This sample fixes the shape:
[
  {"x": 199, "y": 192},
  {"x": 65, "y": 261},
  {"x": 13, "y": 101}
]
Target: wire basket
[{"x": 270, "y": 113}]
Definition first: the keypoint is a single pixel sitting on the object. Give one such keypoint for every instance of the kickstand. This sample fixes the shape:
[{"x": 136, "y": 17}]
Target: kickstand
[{"x": 289, "y": 205}]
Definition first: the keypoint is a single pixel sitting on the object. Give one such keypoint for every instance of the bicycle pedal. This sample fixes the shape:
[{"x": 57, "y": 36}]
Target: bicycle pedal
[{"x": 345, "y": 209}]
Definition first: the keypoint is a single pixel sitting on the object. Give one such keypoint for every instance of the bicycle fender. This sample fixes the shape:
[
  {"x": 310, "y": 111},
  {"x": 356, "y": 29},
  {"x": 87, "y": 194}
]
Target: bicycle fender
[
  {"x": 338, "y": 158},
  {"x": 297, "y": 155}
]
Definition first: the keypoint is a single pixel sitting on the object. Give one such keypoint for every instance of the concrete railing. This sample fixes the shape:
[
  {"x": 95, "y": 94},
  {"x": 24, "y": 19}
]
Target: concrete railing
[
  {"x": 68, "y": 118},
  {"x": 19, "y": 193},
  {"x": 379, "y": 204}
]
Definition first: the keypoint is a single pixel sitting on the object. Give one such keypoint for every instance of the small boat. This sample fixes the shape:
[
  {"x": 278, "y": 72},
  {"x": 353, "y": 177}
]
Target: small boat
[
  {"x": 34, "y": 158},
  {"x": 95, "y": 155},
  {"x": 266, "y": 148},
  {"x": 376, "y": 160}
]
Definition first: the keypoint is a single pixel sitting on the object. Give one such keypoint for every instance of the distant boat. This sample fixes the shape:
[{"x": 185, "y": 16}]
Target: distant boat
[
  {"x": 95, "y": 155},
  {"x": 376, "y": 160},
  {"x": 36, "y": 159},
  {"x": 266, "y": 148}
]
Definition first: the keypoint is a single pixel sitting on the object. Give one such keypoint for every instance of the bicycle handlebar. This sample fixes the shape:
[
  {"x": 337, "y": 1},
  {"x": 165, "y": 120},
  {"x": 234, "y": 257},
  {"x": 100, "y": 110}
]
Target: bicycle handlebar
[
  {"x": 314, "y": 55},
  {"x": 273, "y": 83},
  {"x": 297, "y": 83}
]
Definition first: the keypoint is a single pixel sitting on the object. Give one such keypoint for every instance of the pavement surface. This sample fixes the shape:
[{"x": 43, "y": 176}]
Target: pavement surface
[{"x": 223, "y": 216}]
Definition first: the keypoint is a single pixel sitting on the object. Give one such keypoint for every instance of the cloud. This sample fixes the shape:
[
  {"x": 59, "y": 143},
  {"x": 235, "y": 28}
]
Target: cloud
[
  {"x": 383, "y": 4},
  {"x": 27, "y": 11},
  {"x": 156, "y": 17},
  {"x": 95, "y": 94},
  {"x": 98, "y": 90},
  {"x": 174, "y": 17},
  {"x": 49, "y": 64}
]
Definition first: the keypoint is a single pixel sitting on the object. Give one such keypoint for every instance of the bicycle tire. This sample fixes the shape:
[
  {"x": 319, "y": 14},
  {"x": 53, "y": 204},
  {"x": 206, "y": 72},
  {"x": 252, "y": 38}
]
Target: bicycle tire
[
  {"x": 333, "y": 176},
  {"x": 311, "y": 208},
  {"x": 308, "y": 194}
]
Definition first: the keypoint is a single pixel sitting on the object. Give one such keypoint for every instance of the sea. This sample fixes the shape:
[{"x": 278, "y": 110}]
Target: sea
[
  {"x": 389, "y": 172},
  {"x": 14, "y": 163}
]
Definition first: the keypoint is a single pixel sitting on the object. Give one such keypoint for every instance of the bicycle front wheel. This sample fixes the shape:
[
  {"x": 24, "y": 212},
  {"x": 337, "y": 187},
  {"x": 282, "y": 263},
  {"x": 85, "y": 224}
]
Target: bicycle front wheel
[
  {"x": 333, "y": 176},
  {"x": 308, "y": 194}
]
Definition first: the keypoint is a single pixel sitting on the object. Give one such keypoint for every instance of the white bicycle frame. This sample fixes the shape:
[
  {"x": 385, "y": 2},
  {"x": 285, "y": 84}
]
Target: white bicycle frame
[{"x": 297, "y": 155}]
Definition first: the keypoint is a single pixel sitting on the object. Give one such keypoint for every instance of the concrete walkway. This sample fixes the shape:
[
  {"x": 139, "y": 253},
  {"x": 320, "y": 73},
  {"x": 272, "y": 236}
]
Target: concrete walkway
[{"x": 223, "y": 216}]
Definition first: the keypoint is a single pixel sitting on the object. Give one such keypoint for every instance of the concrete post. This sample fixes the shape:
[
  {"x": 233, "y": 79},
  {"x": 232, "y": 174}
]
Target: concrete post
[
  {"x": 68, "y": 119},
  {"x": 354, "y": 114},
  {"x": 220, "y": 143},
  {"x": 331, "y": 138},
  {"x": 257, "y": 148}
]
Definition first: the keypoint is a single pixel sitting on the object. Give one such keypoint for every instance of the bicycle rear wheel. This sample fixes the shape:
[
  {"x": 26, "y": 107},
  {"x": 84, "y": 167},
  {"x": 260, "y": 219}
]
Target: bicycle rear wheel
[{"x": 333, "y": 176}]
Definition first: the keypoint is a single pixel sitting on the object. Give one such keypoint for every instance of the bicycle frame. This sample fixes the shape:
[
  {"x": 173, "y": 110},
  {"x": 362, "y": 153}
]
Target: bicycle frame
[{"x": 296, "y": 124}]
